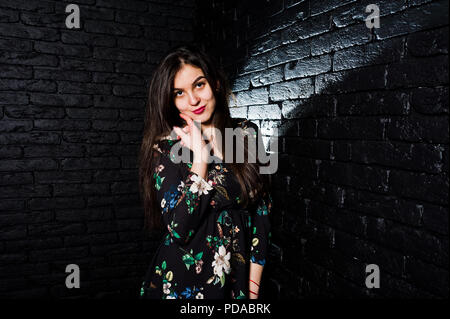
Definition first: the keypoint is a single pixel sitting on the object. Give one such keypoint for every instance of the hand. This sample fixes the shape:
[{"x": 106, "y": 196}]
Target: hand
[
  {"x": 191, "y": 136},
  {"x": 210, "y": 135}
]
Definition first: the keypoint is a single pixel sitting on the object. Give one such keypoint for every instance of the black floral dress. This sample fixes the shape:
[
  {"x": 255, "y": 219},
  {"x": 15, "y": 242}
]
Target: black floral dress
[{"x": 210, "y": 240}]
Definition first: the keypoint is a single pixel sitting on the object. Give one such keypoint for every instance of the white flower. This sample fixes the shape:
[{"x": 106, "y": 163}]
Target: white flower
[
  {"x": 166, "y": 289},
  {"x": 200, "y": 185},
  {"x": 181, "y": 186},
  {"x": 199, "y": 296},
  {"x": 221, "y": 262},
  {"x": 170, "y": 297},
  {"x": 163, "y": 203}
]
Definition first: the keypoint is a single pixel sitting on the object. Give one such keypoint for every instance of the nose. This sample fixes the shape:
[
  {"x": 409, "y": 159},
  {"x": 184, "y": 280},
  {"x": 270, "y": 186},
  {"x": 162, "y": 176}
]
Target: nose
[{"x": 193, "y": 98}]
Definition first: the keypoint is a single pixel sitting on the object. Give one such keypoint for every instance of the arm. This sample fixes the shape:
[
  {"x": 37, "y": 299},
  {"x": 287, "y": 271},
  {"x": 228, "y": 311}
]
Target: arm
[
  {"x": 260, "y": 224},
  {"x": 255, "y": 279},
  {"x": 260, "y": 243},
  {"x": 183, "y": 196},
  {"x": 200, "y": 166}
]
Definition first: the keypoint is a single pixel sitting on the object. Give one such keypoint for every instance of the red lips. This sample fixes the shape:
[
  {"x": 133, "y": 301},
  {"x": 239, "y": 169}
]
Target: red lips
[{"x": 199, "y": 110}]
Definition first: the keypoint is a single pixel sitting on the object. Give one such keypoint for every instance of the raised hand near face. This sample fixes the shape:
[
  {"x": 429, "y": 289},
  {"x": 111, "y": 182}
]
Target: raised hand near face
[{"x": 192, "y": 138}]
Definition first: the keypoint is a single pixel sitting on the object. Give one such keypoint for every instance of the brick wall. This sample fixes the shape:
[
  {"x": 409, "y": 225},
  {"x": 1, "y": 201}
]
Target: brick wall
[
  {"x": 362, "y": 116},
  {"x": 71, "y": 116}
]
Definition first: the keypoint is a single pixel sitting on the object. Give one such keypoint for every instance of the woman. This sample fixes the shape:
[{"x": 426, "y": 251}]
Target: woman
[{"x": 215, "y": 214}]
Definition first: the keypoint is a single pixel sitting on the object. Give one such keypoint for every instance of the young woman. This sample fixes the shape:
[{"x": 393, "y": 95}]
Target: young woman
[{"x": 214, "y": 211}]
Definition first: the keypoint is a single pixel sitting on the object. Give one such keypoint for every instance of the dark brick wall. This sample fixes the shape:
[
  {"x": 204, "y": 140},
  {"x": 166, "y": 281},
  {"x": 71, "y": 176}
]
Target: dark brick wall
[
  {"x": 71, "y": 117},
  {"x": 362, "y": 116}
]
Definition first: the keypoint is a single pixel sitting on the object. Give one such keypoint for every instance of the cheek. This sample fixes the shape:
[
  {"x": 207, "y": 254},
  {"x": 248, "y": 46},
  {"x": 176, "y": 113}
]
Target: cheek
[
  {"x": 208, "y": 95},
  {"x": 180, "y": 105}
]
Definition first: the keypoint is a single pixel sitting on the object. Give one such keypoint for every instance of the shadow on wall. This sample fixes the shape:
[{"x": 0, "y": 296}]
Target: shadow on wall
[{"x": 362, "y": 158}]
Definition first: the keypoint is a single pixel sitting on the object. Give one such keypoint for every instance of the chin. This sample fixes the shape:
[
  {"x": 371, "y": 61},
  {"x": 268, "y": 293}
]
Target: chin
[{"x": 204, "y": 117}]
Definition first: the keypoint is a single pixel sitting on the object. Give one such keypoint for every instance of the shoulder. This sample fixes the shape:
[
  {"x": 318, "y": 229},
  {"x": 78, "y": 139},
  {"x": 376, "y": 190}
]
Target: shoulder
[
  {"x": 164, "y": 144},
  {"x": 163, "y": 148}
]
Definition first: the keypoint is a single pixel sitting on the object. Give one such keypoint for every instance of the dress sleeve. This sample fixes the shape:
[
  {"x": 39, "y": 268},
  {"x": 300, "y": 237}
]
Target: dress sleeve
[
  {"x": 183, "y": 198},
  {"x": 260, "y": 227}
]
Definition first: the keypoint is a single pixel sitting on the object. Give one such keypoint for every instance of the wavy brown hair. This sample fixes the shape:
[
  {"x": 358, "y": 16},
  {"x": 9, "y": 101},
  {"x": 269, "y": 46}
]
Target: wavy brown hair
[{"x": 161, "y": 115}]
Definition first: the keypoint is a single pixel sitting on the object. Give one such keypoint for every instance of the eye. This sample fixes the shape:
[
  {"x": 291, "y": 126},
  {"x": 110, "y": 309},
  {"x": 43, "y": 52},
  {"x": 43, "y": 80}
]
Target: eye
[
  {"x": 176, "y": 93},
  {"x": 201, "y": 83}
]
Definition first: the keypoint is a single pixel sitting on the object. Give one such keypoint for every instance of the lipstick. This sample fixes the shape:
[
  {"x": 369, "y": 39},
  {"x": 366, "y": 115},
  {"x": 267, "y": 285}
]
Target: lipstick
[{"x": 199, "y": 110}]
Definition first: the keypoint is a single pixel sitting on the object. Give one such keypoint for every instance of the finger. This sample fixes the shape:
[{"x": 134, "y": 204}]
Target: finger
[
  {"x": 196, "y": 127},
  {"x": 180, "y": 132},
  {"x": 193, "y": 126},
  {"x": 186, "y": 118}
]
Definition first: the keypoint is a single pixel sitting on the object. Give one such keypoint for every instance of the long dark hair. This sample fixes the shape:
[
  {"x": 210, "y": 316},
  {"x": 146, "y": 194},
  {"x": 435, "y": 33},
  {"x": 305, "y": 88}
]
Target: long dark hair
[{"x": 162, "y": 114}]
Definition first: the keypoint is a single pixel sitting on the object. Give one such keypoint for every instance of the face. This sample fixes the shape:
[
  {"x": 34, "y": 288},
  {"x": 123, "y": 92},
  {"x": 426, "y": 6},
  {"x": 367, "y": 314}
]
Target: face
[{"x": 192, "y": 94}]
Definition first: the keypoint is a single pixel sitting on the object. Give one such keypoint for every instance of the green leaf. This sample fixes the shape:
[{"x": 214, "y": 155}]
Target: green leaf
[
  {"x": 241, "y": 295},
  {"x": 199, "y": 256},
  {"x": 163, "y": 265},
  {"x": 262, "y": 210},
  {"x": 223, "y": 217},
  {"x": 159, "y": 182},
  {"x": 222, "y": 280},
  {"x": 188, "y": 259},
  {"x": 175, "y": 234}
]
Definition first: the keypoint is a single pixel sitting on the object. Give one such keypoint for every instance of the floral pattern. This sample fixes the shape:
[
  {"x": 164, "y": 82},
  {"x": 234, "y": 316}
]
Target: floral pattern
[
  {"x": 221, "y": 264},
  {"x": 200, "y": 185},
  {"x": 210, "y": 240}
]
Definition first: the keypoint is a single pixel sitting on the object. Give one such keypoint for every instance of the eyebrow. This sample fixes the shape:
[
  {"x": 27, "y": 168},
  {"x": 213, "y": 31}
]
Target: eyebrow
[{"x": 195, "y": 81}]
